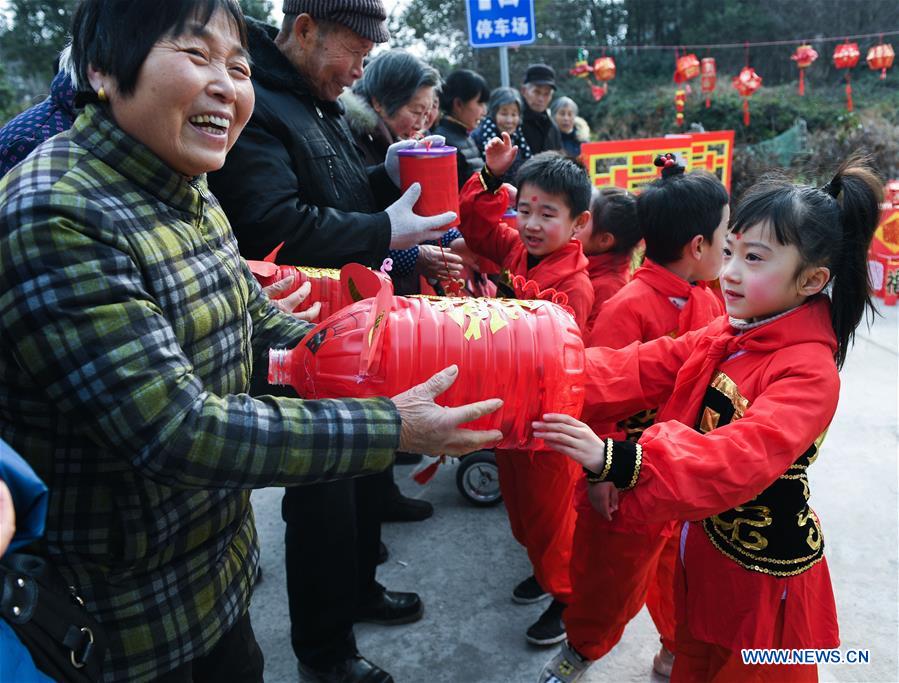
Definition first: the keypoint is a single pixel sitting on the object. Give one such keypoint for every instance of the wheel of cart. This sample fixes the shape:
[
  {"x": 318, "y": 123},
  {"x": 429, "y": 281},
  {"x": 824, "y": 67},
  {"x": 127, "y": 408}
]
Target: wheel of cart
[{"x": 478, "y": 478}]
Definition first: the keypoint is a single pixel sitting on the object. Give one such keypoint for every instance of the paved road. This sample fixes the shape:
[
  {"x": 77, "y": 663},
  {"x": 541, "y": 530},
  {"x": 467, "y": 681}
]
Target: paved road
[{"x": 464, "y": 561}]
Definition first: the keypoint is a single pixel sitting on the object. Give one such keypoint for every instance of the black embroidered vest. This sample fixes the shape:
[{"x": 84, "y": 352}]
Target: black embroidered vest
[{"x": 776, "y": 532}]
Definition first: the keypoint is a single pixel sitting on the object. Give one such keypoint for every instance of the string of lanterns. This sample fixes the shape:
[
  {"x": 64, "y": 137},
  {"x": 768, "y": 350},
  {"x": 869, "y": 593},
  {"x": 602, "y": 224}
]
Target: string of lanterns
[{"x": 687, "y": 66}]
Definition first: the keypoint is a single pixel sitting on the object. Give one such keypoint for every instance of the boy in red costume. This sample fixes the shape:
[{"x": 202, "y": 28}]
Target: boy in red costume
[
  {"x": 750, "y": 397},
  {"x": 617, "y": 566},
  {"x": 553, "y": 203},
  {"x": 608, "y": 242}
]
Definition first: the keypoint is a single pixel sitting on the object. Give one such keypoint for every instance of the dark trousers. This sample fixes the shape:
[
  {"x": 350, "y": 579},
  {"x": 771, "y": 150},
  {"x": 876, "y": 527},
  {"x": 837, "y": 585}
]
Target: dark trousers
[
  {"x": 236, "y": 657},
  {"x": 332, "y": 539}
]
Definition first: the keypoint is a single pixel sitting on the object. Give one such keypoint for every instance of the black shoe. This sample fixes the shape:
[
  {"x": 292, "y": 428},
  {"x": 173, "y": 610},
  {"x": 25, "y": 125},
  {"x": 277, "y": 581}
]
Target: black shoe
[
  {"x": 391, "y": 608},
  {"x": 258, "y": 574},
  {"x": 528, "y": 591},
  {"x": 402, "y": 458},
  {"x": 403, "y": 509},
  {"x": 548, "y": 629},
  {"x": 383, "y": 553},
  {"x": 356, "y": 669}
]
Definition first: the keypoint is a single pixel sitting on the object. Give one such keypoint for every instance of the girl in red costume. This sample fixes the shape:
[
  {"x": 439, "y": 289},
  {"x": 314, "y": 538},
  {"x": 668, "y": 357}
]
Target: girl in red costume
[
  {"x": 618, "y": 565},
  {"x": 751, "y": 396},
  {"x": 553, "y": 204}
]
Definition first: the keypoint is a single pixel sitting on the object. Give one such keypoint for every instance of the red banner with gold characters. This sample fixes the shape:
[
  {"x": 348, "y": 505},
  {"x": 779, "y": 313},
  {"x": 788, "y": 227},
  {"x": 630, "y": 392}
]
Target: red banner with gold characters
[
  {"x": 628, "y": 163},
  {"x": 883, "y": 258}
]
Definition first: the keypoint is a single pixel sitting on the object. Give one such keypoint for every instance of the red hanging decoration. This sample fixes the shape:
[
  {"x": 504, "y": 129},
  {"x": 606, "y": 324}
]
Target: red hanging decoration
[
  {"x": 709, "y": 72},
  {"x": 686, "y": 67},
  {"x": 804, "y": 56},
  {"x": 746, "y": 83},
  {"x": 845, "y": 56},
  {"x": 680, "y": 99},
  {"x": 880, "y": 57},
  {"x": 603, "y": 71},
  {"x": 581, "y": 68}
]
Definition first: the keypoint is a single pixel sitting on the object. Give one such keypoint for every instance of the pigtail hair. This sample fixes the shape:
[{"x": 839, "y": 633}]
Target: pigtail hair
[{"x": 858, "y": 190}]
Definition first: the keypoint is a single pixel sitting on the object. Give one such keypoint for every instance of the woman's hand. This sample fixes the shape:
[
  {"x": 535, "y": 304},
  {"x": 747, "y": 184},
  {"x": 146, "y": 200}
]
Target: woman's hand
[
  {"x": 438, "y": 264},
  {"x": 7, "y": 518},
  {"x": 290, "y": 302},
  {"x": 604, "y": 498},
  {"x": 500, "y": 155},
  {"x": 572, "y": 437},
  {"x": 433, "y": 429}
]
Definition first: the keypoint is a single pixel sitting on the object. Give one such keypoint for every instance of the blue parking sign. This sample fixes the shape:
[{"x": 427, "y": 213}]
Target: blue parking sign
[{"x": 494, "y": 23}]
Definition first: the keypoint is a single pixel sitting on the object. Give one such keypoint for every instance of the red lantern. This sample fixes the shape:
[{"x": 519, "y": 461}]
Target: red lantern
[
  {"x": 881, "y": 57},
  {"x": 529, "y": 353},
  {"x": 686, "y": 67},
  {"x": 603, "y": 71},
  {"x": 709, "y": 78},
  {"x": 746, "y": 83},
  {"x": 845, "y": 56},
  {"x": 680, "y": 99},
  {"x": 804, "y": 56}
]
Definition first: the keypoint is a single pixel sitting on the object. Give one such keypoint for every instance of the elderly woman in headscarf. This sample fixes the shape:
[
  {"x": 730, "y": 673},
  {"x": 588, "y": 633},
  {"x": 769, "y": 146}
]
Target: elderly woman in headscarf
[{"x": 130, "y": 326}]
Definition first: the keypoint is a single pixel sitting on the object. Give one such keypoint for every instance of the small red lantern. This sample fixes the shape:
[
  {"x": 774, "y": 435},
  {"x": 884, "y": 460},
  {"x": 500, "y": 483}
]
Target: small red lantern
[
  {"x": 804, "y": 56},
  {"x": 881, "y": 57},
  {"x": 581, "y": 68},
  {"x": 680, "y": 99},
  {"x": 709, "y": 79},
  {"x": 746, "y": 83},
  {"x": 845, "y": 56},
  {"x": 686, "y": 67},
  {"x": 603, "y": 71}
]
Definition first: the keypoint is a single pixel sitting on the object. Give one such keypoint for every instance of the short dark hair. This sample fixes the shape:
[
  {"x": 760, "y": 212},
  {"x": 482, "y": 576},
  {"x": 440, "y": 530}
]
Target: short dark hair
[
  {"x": 559, "y": 175},
  {"x": 393, "y": 78},
  {"x": 614, "y": 210},
  {"x": 115, "y": 36},
  {"x": 674, "y": 209},
  {"x": 465, "y": 85}
]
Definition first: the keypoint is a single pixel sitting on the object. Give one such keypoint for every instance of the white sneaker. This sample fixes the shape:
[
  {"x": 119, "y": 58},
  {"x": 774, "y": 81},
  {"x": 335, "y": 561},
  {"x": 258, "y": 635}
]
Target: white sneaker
[
  {"x": 663, "y": 662},
  {"x": 566, "y": 667}
]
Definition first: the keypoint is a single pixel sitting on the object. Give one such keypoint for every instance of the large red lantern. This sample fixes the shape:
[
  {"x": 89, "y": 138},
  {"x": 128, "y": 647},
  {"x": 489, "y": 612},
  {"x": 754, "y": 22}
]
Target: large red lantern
[
  {"x": 845, "y": 56},
  {"x": 746, "y": 83},
  {"x": 709, "y": 79},
  {"x": 686, "y": 68},
  {"x": 804, "y": 56},
  {"x": 881, "y": 57},
  {"x": 603, "y": 71},
  {"x": 529, "y": 353}
]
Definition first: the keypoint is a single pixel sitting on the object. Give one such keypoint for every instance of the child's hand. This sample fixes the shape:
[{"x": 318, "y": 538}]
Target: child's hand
[
  {"x": 500, "y": 155},
  {"x": 604, "y": 498},
  {"x": 572, "y": 437}
]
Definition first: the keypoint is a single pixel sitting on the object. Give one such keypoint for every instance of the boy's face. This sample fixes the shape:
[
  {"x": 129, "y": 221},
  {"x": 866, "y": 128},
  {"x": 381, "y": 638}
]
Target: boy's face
[
  {"x": 713, "y": 255},
  {"x": 545, "y": 223}
]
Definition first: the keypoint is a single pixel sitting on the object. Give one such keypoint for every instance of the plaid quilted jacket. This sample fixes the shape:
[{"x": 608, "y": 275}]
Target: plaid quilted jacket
[{"x": 128, "y": 328}]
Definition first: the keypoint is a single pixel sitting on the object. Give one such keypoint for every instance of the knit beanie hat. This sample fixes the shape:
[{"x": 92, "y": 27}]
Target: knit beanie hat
[{"x": 366, "y": 18}]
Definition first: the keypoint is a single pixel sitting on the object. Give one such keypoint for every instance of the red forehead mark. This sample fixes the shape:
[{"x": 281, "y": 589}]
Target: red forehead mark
[
  {"x": 534, "y": 199},
  {"x": 738, "y": 235}
]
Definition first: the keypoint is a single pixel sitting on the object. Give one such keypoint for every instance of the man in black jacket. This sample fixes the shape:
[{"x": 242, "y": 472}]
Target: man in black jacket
[
  {"x": 539, "y": 129},
  {"x": 295, "y": 176}
]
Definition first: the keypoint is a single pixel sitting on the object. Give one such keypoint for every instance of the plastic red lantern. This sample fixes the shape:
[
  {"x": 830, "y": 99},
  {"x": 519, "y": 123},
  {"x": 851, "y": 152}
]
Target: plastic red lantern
[
  {"x": 881, "y": 57},
  {"x": 746, "y": 83},
  {"x": 709, "y": 78},
  {"x": 804, "y": 56},
  {"x": 680, "y": 99},
  {"x": 845, "y": 56},
  {"x": 686, "y": 67},
  {"x": 529, "y": 353}
]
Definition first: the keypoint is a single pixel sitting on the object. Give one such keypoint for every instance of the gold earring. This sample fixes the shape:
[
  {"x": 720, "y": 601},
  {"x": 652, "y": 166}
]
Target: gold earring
[{"x": 101, "y": 94}]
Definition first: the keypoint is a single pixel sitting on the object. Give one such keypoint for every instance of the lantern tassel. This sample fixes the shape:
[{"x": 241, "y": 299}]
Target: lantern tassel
[
  {"x": 848, "y": 92},
  {"x": 708, "y": 102},
  {"x": 801, "y": 82},
  {"x": 883, "y": 74},
  {"x": 424, "y": 475},
  {"x": 746, "y": 111}
]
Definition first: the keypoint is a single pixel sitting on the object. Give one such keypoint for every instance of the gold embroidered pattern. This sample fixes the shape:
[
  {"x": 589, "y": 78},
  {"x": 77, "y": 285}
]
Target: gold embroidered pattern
[
  {"x": 759, "y": 517},
  {"x": 638, "y": 464},
  {"x": 610, "y": 446},
  {"x": 764, "y": 570}
]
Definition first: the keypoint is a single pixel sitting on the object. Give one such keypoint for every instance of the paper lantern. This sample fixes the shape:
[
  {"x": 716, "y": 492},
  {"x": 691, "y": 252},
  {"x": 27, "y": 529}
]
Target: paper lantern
[
  {"x": 709, "y": 78},
  {"x": 881, "y": 57},
  {"x": 686, "y": 67},
  {"x": 746, "y": 83},
  {"x": 845, "y": 56},
  {"x": 804, "y": 56},
  {"x": 529, "y": 353},
  {"x": 603, "y": 71},
  {"x": 680, "y": 99}
]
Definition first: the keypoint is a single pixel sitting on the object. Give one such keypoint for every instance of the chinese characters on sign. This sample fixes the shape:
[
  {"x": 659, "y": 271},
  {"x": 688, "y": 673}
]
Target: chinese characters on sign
[{"x": 494, "y": 23}]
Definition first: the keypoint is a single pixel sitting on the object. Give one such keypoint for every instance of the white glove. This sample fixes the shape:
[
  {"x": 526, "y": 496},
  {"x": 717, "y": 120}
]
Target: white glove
[
  {"x": 408, "y": 228},
  {"x": 392, "y": 161}
]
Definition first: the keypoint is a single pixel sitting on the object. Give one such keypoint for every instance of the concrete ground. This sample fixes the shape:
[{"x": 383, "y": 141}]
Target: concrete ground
[{"x": 464, "y": 562}]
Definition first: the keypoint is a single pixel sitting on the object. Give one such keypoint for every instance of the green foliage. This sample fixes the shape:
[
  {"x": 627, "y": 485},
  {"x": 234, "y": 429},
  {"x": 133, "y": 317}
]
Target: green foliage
[
  {"x": 9, "y": 105},
  {"x": 39, "y": 30},
  {"x": 258, "y": 9}
]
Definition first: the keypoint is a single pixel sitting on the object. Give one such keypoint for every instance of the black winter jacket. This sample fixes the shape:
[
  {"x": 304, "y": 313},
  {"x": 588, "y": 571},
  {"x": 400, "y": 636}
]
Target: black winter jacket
[
  {"x": 468, "y": 158},
  {"x": 295, "y": 174},
  {"x": 540, "y": 131}
]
